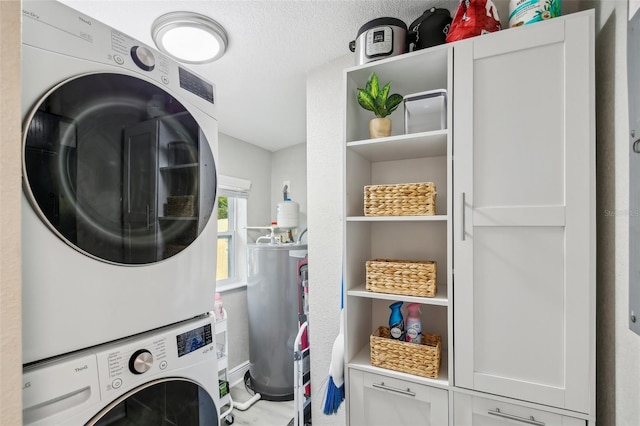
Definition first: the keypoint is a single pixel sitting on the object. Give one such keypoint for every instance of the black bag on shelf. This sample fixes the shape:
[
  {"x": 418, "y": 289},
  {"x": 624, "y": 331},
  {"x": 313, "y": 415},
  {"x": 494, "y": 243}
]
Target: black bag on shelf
[{"x": 430, "y": 29}]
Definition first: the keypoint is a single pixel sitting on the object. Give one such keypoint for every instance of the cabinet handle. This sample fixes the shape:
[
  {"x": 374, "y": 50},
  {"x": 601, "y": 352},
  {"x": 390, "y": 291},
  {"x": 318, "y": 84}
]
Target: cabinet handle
[
  {"x": 392, "y": 389},
  {"x": 463, "y": 216},
  {"x": 148, "y": 217},
  {"x": 531, "y": 420},
  {"x": 636, "y": 146}
]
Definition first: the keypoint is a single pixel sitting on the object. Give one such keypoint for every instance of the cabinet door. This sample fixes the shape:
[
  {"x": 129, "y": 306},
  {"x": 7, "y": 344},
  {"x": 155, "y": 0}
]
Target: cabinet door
[
  {"x": 380, "y": 400},
  {"x": 474, "y": 411},
  {"x": 524, "y": 240}
]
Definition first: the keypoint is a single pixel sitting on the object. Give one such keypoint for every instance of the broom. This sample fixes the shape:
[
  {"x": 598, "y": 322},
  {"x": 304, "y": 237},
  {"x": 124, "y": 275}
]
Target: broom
[{"x": 335, "y": 388}]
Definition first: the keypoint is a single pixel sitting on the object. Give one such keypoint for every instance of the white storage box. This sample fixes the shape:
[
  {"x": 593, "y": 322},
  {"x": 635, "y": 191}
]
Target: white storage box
[{"x": 425, "y": 111}]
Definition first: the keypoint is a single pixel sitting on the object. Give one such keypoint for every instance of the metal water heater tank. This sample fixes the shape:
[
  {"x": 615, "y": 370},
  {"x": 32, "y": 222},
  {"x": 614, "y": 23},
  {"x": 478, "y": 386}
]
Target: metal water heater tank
[{"x": 272, "y": 304}]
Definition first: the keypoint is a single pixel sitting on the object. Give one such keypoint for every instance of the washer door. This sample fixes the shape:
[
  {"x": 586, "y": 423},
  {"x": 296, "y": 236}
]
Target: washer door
[
  {"x": 162, "y": 402},
  {"x": 118, "y": 169}
]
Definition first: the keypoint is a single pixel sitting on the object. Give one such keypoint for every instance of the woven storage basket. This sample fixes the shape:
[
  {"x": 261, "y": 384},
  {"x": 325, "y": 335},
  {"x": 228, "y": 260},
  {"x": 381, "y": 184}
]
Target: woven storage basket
[
  {"x": 405, "y": 199},
  {"x": 421, "y": 360},
  {"x": 405, "y": 277}
]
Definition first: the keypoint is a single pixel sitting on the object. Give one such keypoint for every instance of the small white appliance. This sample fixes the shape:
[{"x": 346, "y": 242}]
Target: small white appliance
[
  {"x": 379, "y": 39},
  {"x": 167, "y": 376},
  {"x": 119, "y": 151},
  {"x": 425, "y": 111}
]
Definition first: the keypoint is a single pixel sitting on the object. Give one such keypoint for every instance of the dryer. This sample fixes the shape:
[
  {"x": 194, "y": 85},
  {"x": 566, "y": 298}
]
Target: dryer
[
  {"x": 119, "y": 185},
  {"x": 167, "y": 376}
]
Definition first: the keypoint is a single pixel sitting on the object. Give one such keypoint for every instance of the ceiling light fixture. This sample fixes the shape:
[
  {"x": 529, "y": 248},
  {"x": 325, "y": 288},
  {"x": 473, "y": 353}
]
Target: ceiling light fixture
[{"x": 189, "y": 37}]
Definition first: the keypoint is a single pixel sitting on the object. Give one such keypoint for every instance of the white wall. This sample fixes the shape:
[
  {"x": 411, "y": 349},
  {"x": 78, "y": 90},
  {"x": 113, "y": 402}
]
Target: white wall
[
  {"x": 618, "y": 375},
  {"x": 290, "y": 164},
  {"x": 325, "y": 169},
  {"x": 10, "y": 187},
  {"x": 241, "y": 159}
]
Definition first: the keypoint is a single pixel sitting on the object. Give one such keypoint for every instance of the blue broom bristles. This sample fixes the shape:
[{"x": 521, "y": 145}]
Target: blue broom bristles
[{"x": 335, "y": 396}]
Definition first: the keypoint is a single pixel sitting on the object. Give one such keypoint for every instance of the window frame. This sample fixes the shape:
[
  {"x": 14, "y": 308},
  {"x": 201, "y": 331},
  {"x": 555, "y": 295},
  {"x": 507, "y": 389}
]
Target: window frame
[{"x": 236, "y": 190}]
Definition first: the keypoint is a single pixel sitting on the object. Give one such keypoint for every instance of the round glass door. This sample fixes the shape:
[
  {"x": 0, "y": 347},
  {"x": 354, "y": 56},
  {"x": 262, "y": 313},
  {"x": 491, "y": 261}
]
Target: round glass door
[
  {"x": 167, "y": 402},
  {"x": 118, "y": 169}
]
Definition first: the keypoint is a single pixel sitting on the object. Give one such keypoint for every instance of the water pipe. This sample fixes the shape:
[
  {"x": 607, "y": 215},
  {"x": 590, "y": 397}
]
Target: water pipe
[
  {"x": 271, "y": 237},
  {"x": 243, "y": 406},
  {"x": 301, "y": 234}
]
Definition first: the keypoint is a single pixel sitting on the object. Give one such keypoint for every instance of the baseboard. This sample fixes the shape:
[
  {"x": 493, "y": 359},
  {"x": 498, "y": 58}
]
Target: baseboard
[{"x": 236, "y": 374}]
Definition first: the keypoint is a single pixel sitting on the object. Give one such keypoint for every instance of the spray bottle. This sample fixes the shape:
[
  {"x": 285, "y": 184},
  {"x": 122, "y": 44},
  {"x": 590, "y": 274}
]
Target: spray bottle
[
  {"x": 396, "y": 321},
  {"x": 414, "y": 326},
  {"x": 218, "y": 311}
]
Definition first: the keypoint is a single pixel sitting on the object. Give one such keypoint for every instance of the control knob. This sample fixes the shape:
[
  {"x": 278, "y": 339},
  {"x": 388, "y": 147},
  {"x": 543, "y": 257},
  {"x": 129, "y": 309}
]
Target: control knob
[
  {"x": 143, "y": 57},
  {"x": 141, "y": 361}
]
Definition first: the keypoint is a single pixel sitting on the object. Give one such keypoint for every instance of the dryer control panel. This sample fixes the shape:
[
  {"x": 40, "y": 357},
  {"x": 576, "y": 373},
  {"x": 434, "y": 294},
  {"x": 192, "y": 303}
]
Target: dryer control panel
[{"x": 60, "y": 29}]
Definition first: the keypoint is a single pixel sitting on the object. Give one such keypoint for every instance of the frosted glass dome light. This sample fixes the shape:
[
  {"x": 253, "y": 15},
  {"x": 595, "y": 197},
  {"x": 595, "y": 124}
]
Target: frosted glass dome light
[{"x": 189, "y": 37}]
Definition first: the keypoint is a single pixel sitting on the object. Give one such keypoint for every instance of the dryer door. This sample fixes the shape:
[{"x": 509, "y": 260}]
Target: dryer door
[
  {"x": 118, "y": 169},
  {"x": 162, "y": 402}
]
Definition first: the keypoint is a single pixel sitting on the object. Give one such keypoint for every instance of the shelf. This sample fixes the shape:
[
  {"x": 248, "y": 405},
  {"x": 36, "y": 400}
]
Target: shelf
[
  {"x": 221, "y": 326},
  {"x": 362, "y": 362},
  {"x": 173, "y": 218},
  {"x": 223, "y": 363},
  {"x": 434, "y": 218},
  {"x": 441, "y": 298},
  {"x": 178, "y": 167},
  {"x": 402, "y": 147},
  {"x": 224, "y": 400}
]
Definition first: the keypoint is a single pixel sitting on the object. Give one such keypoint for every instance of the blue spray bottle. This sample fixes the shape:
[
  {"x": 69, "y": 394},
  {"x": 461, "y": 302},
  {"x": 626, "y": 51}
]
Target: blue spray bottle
[{"x": 396, "y": 321}]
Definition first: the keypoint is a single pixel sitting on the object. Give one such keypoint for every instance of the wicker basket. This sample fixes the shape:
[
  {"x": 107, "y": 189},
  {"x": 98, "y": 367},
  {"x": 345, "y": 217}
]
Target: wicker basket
[
  {"x": 405, "y": 277},
  {"x": 421, "y": 360},
  {"x": 405, "y": 199}
]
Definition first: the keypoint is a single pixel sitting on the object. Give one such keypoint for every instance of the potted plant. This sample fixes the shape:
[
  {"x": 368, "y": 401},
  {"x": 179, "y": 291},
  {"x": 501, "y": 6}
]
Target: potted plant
[{"x": 379, "y": 102}]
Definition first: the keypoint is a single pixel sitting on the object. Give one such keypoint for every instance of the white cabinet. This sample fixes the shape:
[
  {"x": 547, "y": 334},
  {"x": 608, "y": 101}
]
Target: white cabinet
[
  {"x": 477, "y": 411},
  {"x": 524, "y": 240},
  {"x": 514, "y": 230},
  {"x": 398, "y": 159},
  {"x": 379, "y": 400}
]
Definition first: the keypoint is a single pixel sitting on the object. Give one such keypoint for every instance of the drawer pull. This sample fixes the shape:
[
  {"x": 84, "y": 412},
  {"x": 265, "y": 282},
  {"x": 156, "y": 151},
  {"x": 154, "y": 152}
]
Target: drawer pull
[
  {"x": 392, "y": 389},
  {"x": 531, "y": 420}
]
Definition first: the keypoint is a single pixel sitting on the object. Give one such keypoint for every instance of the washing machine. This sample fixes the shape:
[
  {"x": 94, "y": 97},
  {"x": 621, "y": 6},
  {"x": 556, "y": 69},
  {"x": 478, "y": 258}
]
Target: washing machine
[
  {"x": 166, "y": 376},
  {"x": 119, "y": 185}
]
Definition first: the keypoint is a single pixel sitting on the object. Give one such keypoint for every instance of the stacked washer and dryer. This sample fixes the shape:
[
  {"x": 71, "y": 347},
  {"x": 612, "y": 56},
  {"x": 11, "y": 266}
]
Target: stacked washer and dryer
[{"x": 119, "y": 243}]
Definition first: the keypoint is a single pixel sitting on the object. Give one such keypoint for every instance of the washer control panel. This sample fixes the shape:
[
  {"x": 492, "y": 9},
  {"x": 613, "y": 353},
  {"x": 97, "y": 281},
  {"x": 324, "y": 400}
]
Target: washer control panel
[
  {"x": 80, "y": 380},
  {"x": 138, "y": 360}
]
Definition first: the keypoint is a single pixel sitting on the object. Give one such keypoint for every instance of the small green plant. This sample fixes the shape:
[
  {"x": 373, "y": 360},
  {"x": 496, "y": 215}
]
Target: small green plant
[{"x": 378, "y": 100}]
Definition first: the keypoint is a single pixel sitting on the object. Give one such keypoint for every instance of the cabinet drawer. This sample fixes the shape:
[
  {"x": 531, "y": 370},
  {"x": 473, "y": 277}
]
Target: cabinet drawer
[
  {"x": 381, "y": 400},
  {"x": 477, "y": 411}
]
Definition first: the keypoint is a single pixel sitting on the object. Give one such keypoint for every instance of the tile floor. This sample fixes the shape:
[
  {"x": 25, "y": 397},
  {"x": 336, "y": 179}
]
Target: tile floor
[{"x": 261, "y": 413}]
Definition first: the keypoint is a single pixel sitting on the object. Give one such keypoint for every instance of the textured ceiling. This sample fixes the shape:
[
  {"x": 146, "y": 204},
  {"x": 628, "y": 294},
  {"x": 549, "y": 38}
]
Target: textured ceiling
[{"x": 261, "y": 80}]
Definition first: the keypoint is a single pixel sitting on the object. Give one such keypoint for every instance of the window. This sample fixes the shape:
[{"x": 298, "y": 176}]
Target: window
[
  {"x": 226, "y": 237},
  {"x": 232, "y": 233}
]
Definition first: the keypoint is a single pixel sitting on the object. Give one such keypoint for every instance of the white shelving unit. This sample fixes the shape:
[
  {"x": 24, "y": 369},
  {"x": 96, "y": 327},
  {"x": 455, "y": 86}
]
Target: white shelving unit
[
  {"x": 222, "y": 348},
  {"x": 400, "y": 158}
]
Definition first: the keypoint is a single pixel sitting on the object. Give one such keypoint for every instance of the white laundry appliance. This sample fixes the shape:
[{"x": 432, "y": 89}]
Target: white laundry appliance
[
  {"x": 119, "y": 185},
  {"x": 167, "y": 376}
]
